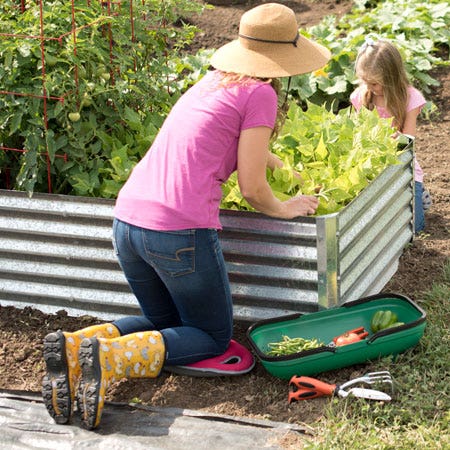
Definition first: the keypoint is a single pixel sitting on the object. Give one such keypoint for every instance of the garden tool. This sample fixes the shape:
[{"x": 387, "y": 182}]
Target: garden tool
[
  {"x": 371, "y": 378},
  {"x": 303, "y": 388},
  {"x": 349, "y": 337},
  {"x": 63, "y": 371},
  {"x": 104, "y": 361}
]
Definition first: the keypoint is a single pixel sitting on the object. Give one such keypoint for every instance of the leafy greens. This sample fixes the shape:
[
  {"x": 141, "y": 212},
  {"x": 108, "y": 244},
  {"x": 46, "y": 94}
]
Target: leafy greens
[{"x": 336, "y": 156}]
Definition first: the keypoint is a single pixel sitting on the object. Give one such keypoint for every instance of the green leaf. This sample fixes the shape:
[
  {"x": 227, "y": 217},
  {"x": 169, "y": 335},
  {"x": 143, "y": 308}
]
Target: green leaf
[
  {"x": 340, "y": 85},
  {"x": 321, "y": 151},
  {"x": 16, "y": 122},
  {"x": 133, "y": 119}
]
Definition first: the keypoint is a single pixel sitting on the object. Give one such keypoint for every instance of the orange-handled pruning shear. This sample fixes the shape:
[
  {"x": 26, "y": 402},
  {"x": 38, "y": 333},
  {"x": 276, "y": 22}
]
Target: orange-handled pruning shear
[
  {"x": 349, "y": 337},
  {"x": 304, "y": 388}
]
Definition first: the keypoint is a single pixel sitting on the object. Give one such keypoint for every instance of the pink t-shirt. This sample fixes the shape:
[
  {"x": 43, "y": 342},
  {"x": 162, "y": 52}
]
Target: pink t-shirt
[
  {"x": 415, "y": 100},
  {"x": 177, "y": 184}
]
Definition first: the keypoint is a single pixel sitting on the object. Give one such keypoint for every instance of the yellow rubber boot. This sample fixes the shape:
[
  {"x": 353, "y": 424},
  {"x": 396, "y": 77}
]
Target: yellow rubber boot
[
  {"x": 63, "y": 370},
  {"x": 103, "y": 361}
]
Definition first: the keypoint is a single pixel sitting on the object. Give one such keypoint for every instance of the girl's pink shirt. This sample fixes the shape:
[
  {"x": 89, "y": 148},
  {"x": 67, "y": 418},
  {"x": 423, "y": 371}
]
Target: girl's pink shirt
[
  {"x": 177, "y": 184},
  {"x": 415, "y": 100}
]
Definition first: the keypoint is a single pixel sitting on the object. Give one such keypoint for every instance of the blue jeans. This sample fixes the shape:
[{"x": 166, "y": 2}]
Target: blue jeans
[
  {"x": 419, "y": 213},
  {"x": 180, "y": 281}
]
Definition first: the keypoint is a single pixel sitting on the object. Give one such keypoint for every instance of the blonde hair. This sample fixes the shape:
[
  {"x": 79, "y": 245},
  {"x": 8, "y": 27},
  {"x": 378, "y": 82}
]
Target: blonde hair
[
  {"x": 229, "y": 79},
  {"x": 381, "y": 62}
]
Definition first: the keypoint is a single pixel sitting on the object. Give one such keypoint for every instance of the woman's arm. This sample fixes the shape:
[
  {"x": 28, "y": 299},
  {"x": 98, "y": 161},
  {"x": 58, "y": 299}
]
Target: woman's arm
[{"x": 253, "y": 158}]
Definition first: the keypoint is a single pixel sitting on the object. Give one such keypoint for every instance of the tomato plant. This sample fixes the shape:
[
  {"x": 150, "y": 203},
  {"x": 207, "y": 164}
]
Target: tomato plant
[{"x": 107, "y": 88}]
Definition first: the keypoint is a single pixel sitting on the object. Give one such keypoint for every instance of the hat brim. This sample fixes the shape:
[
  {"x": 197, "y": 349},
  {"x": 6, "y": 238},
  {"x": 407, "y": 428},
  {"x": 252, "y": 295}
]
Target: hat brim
[{"x": 271, "y": 60}]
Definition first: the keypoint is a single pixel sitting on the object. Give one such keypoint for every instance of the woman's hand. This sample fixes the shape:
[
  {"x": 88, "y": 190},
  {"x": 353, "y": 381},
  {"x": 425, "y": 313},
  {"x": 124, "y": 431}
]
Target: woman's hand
[
  {"x": 253, "y": 159},
  {"x": 301, "y": 205}
]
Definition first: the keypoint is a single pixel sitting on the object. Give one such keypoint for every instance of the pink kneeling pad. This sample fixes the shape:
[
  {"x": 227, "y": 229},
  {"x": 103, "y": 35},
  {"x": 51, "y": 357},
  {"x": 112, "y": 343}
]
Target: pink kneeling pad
[{"x": 237, "y": 360}]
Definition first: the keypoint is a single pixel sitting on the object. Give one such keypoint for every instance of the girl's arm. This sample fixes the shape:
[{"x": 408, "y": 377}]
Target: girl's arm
[
  {"x": 253, "y": 159},
  {"x": 409, "y": 127}
]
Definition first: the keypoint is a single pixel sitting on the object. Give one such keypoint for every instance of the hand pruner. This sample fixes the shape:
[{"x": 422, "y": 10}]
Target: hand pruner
[{"x": 304, "y": 388}]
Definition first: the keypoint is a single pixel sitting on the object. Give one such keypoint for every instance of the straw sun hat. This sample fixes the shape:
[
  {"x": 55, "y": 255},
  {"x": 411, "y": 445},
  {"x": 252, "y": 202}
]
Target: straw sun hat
[{"x": 269, "y": 46}]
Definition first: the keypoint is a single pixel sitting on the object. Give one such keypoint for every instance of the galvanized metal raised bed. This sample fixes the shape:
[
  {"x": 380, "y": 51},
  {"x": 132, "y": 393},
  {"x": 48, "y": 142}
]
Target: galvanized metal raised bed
[{"x": 56, "y": 252}]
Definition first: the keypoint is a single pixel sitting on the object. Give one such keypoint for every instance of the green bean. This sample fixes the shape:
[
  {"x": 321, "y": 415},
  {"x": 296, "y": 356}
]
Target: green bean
[{"x": 288, "y": 346}]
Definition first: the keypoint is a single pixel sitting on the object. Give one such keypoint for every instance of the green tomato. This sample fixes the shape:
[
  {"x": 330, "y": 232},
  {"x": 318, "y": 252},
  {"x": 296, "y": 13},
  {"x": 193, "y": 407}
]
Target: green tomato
[
  {"x": 105, "y": 76},
  {"x": 100, "y": 69},
  {"x": 86, "y": 101},
  {"x": 74, "y": 116},
  {"x": 81, "y": 72},
  {"x": 50, "y": 60}
]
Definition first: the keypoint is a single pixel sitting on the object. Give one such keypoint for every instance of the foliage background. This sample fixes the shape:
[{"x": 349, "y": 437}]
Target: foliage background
[
  {"x": 108, "y": 75},
  {"x": 110, "y": 72},
  {"x": 419, "y": 416}
]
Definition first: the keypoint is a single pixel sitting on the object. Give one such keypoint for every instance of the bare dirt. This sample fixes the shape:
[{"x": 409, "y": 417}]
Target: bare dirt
[{"x": 257, "y": 394}]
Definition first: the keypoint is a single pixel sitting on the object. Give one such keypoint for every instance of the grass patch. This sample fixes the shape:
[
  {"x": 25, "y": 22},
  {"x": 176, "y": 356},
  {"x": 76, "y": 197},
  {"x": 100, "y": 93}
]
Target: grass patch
[{"x": 418, "y": 417}]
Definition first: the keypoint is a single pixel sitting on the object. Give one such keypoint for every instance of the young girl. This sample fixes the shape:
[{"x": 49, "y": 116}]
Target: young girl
[{"x": 384, "y": 85}]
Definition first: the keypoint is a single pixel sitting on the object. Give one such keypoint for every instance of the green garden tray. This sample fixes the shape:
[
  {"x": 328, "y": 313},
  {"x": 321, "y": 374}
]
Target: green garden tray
[{"x": 327, "y": 324}]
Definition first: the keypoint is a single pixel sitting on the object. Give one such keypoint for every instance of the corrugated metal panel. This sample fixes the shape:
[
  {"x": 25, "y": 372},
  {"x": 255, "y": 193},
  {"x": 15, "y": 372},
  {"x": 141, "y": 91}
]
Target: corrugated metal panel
[
  {"x": 271, "y": 263},
  {"x": 56, "y": 253},
  {"x": 374, "y": 231}
]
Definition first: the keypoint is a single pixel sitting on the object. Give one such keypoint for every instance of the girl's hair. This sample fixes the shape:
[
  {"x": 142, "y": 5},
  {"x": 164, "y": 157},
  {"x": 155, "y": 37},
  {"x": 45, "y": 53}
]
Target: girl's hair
[
  {"x": 229, "y": 78},
  {"x": 381, "y": 62}
]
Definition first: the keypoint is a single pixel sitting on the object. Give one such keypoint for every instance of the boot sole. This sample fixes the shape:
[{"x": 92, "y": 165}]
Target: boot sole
[
  {"x": 90, "y": 383},
  {"x": 55, "y": 384}
]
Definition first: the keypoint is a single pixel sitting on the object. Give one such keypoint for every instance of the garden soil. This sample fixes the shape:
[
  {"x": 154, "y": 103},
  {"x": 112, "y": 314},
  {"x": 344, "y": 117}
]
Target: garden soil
[{"x": 255, "y": 395}]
